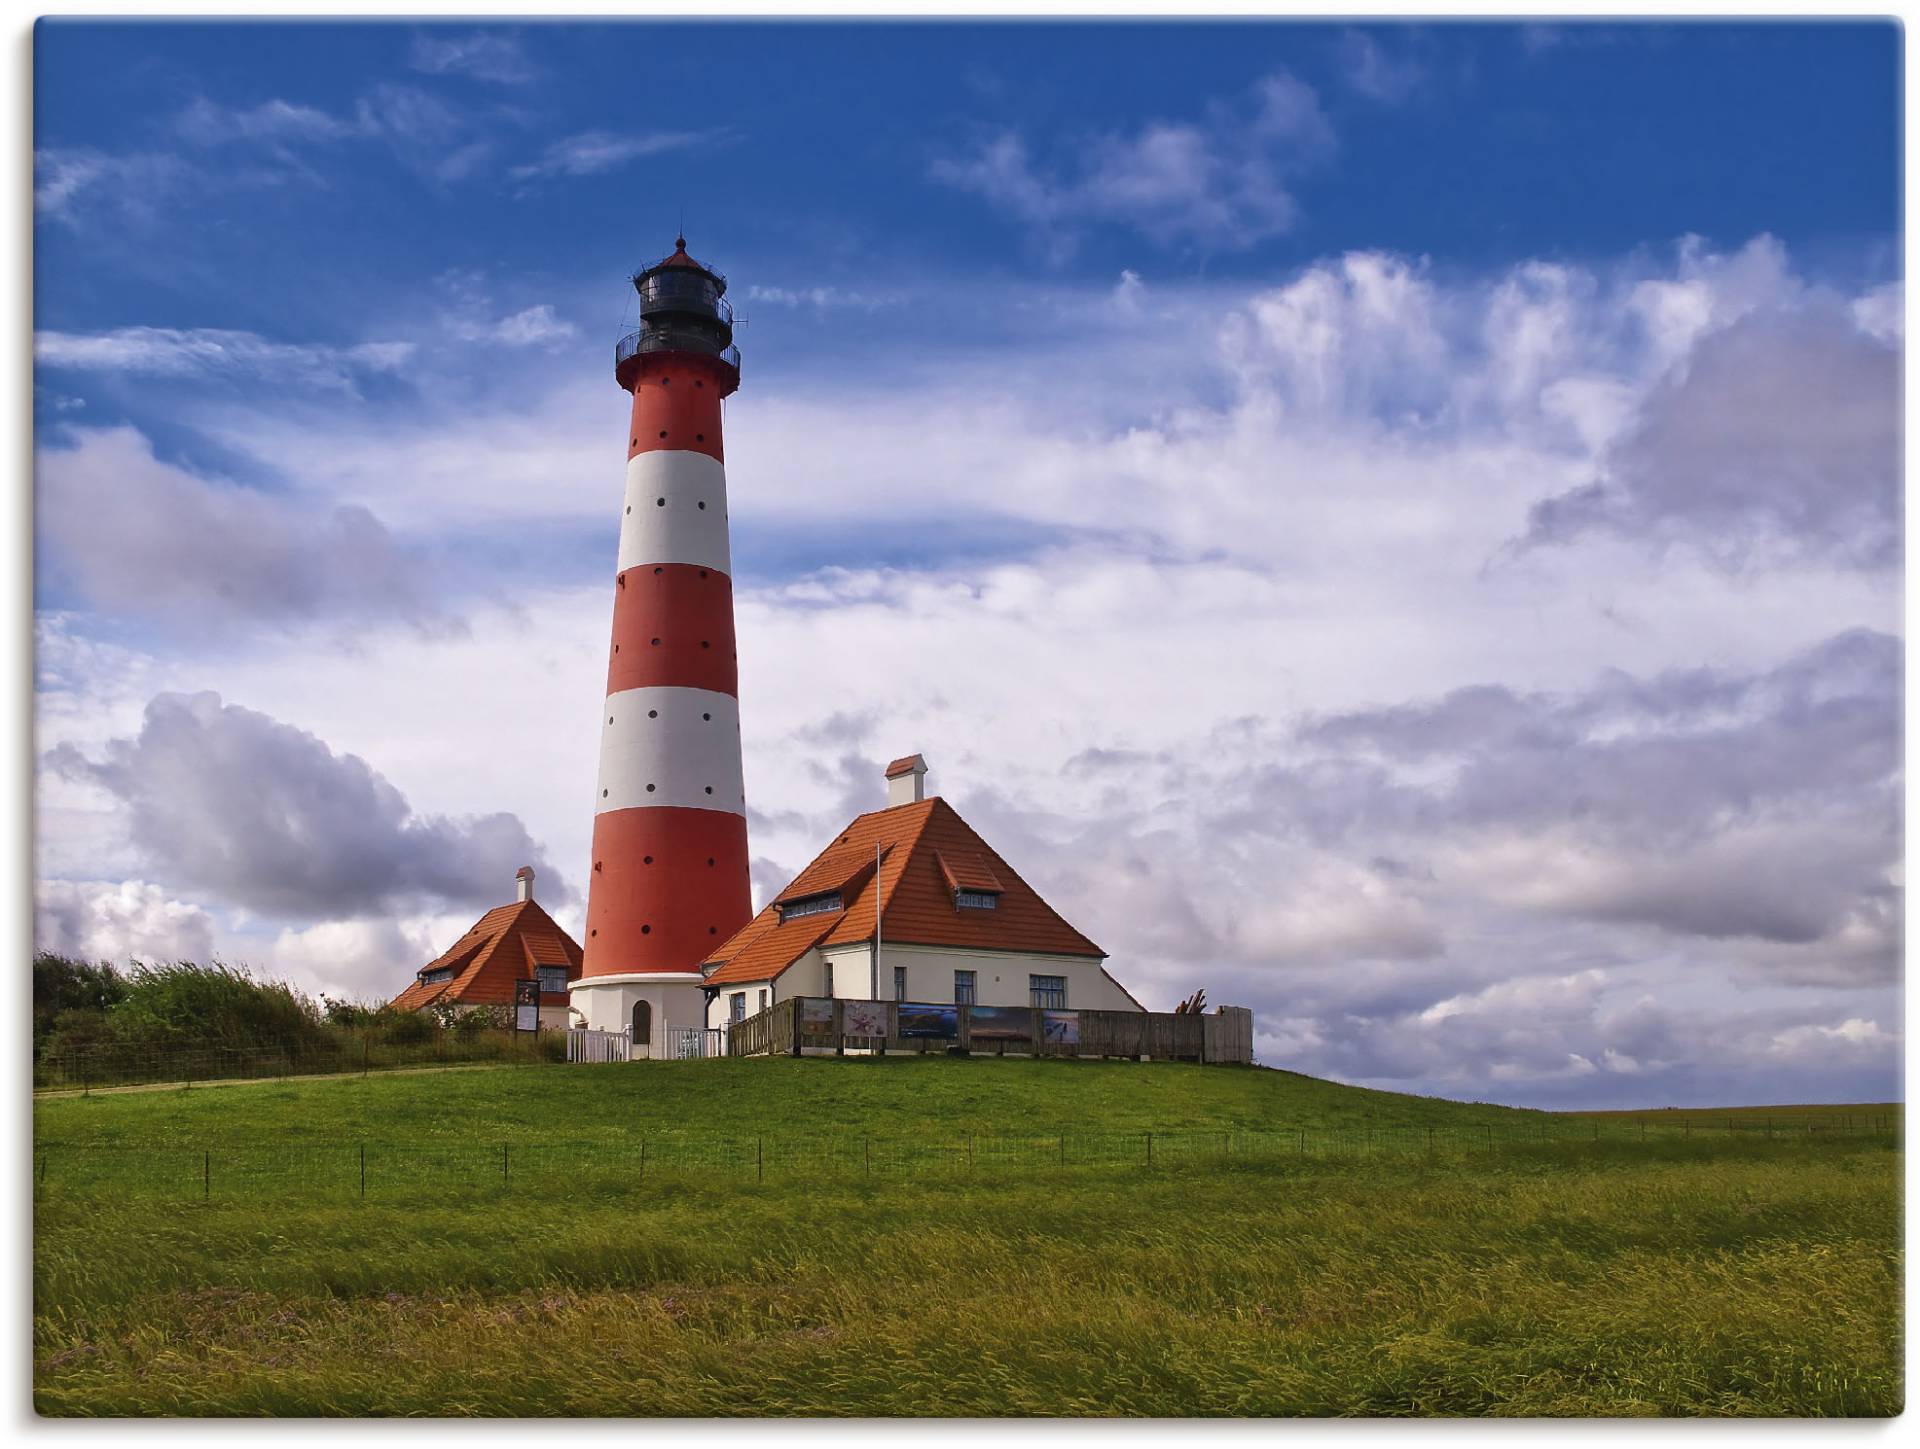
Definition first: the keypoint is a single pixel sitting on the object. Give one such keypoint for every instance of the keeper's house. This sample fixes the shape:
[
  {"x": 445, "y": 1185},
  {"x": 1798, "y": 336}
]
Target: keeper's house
[
  {"x": 520, "y": 942},
  {"x": 955, "y": 923}
]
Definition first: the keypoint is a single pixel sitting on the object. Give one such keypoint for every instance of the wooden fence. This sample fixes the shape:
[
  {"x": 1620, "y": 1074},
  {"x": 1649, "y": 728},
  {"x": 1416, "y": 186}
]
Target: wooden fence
[{"x": 814, "y": 1024}]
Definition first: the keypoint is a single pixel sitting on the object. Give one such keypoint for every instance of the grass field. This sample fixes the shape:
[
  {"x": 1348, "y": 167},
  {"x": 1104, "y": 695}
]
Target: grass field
[{"x": 1693, "y": 1273}]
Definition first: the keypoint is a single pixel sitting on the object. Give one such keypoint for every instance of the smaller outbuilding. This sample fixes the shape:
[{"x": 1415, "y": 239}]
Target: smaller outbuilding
[{"x": 509, "y": 944}]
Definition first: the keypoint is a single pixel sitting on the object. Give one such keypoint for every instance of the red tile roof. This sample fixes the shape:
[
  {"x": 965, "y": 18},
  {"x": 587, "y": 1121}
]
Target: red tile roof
[
  {"x": 919, "y": 842},
  {"x": 904, "y": 764},
  {"x": 967, "y": 872},
  {"x": 502, "y": 947}
]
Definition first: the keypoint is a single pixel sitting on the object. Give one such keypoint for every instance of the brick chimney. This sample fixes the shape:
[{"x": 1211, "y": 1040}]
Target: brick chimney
[
  {"x": 906, "y": 781},
  {"x": 523, "y": 880}
]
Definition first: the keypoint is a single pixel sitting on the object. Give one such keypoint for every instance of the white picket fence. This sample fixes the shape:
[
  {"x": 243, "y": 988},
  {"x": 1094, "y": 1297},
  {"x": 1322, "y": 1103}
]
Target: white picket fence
[
  {"x": 598, "y": 1046},
  {"x": 678, "y": 1043}
]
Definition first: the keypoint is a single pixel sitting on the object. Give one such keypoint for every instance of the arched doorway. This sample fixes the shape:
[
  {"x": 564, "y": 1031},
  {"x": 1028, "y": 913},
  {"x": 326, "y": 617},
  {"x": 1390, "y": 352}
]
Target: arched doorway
[{"x": 642, "y": 1028}]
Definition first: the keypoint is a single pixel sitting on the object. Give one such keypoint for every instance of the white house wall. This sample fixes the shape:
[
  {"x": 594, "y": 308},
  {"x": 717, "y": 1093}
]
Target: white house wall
[{"x": 1000, "y": 977}]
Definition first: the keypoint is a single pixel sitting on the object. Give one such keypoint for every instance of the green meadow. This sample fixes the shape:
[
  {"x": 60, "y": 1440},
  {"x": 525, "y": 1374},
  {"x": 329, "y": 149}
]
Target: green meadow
[{"x": 952, "y": 1237}]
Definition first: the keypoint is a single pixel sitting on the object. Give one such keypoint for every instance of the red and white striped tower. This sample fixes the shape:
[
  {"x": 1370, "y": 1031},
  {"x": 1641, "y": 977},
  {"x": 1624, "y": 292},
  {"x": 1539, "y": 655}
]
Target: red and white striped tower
[{"x": 669, "y": 879}]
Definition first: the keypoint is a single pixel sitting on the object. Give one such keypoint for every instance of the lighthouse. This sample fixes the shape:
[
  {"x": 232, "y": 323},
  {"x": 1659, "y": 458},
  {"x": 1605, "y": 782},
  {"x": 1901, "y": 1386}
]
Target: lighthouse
[{"x": 669, "y": 875}]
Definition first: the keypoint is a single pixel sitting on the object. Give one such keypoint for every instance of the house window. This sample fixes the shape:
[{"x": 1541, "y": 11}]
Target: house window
[
  {"x": 1048, "y": 990},
  {"x": 553, "y": 979},
  {"x": 829, "y": 978},
  {"x": 899, "y": 983},
  {"x": 428, "y": 978},
  {"x": 976, "y": 901},
  {"x": 737, "y": 1006},
  {"x": 809, "y": 906},
  {"x": 763, "y": 998},
  {"x": 963, "y": 988}
]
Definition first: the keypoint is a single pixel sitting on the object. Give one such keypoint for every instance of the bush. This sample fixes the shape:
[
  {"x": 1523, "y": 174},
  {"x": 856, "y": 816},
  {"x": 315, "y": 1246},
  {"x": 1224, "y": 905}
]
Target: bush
[
  {"x": 64, "y": 987},
  {"x": 186, "y": 1004}
]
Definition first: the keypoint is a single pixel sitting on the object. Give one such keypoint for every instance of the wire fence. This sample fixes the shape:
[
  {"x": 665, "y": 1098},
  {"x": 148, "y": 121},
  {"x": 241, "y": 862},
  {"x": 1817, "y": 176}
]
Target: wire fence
[
  {"x": 117, "y": 1066},
  {"x": 370, "y": 1168}
]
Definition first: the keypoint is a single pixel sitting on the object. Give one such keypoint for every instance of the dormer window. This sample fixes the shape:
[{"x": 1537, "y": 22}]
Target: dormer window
[
  {"x": 433, "y": 978},
  {"x": 976, "y": 901},
  {"x": 553, "y": 980},
  {"x": 809, "y": 906}
]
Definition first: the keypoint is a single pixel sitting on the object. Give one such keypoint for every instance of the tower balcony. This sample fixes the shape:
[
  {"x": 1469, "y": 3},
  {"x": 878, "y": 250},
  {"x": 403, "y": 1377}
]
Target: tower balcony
[{"x": 667, "y": 336}]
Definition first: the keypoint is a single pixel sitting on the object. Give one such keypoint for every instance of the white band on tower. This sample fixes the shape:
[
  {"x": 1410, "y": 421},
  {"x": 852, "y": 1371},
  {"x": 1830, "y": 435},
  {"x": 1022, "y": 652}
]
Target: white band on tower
[
  {"x": 676, "y": 511},
  {"x": 669, "y": 746}
]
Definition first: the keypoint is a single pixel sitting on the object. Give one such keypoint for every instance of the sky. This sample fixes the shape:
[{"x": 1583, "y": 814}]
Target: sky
[{"x": 1397, "y": 525}]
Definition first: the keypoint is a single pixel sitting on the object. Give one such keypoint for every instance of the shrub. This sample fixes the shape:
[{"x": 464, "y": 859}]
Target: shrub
[
  {"x": 186, "y": 1004},
  {"x": 62, "y": 985}
]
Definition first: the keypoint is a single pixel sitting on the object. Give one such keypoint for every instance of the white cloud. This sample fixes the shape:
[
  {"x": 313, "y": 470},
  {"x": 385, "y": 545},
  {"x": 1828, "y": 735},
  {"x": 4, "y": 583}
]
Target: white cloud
[
  {"x": 1206, "y": 551},
  {"x": 117, "y": 921},
  {"x": 151, "y": 541},
  {"x": 488, "y": 55},
  {"x": 217, "y": 352},
  {"x": 1219, "y": 183},
  {"x": 592, "y": 152}
]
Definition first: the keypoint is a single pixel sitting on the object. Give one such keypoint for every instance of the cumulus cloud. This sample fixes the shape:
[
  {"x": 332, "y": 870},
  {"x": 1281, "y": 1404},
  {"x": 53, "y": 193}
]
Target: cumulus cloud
[
  {"x": 265, "y": 817},
  {"x": 361, "y": 960},
  {"x": 1247, "y": 681},
  {"x": 139, "y": 537},
  {"x": 94, "y": 920},
  {"x": 1781, "y": 436},
  {"x": 1219, "y": 183}
]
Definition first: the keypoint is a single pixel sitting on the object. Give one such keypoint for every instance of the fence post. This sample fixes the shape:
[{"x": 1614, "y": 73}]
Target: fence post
[
  {"x": 1489, "y": 1127},
  {"x": 206, "y": 1174},
  {"x": 503, "y": 1164},
  {"x": 1063, "y": 1149},
  {"x": 866, "y": 1151},
  {"x": 1429, "y": 1139},
  {"x": 1149, "y": 1149},
  {"x": 643, "y": 1159},
  {"x": 760, "y": 1157},
  {"x": 363, "y": 1169},
  {"x": 365, "y": 1056}
]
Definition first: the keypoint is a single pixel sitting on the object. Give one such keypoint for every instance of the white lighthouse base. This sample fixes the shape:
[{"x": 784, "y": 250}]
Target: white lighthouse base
[{"x": 673, "y": 1002}]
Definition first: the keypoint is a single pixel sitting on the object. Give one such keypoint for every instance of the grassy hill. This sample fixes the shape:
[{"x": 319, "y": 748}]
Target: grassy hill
[
  {"x": 606, "y": 1106},
  {"x": 1504, "y": 1269}
]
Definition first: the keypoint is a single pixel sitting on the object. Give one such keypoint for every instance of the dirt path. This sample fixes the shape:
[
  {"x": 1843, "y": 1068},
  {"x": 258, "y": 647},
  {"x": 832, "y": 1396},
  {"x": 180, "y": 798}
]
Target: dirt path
[{"x": 198, "y": 1083}]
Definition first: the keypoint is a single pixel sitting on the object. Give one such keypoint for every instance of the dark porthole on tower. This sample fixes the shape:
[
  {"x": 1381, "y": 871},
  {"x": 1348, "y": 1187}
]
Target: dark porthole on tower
[
  {"x": 659, "y": 503},
  {"x": 656, "y": 641},
  {"x": 651, "y": 714},
  {"x": 649, "y": 789},
  {"x": 646, "y": 930},
  {"x": 646, "y": 860},
  {"x": 703, "y": 508},
  {"x": 709, "y": 860},
  {"x": 663, "y": 432},
  {"x": 706, "y": 716},
  {"x": 709, "y": 789}
]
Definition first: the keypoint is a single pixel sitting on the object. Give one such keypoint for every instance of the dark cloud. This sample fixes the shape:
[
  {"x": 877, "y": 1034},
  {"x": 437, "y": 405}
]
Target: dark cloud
[
  {"x": 1780, "y": 441},
  {"x": 138, "y": 536},
  {"x": 1467, "y": 894},
  {"x": 260, "y": 815}
]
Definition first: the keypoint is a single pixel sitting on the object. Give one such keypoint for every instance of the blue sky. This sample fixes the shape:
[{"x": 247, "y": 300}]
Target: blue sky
[{"x": 1175, "y": 431}]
